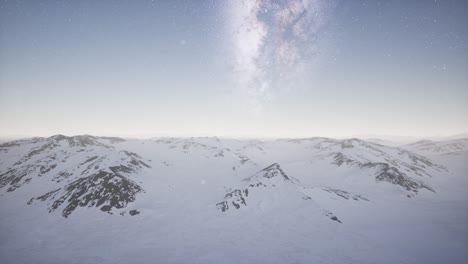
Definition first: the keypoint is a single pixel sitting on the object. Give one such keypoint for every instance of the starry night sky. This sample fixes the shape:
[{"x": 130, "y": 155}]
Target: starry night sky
[{"x": 262, "y": 68}]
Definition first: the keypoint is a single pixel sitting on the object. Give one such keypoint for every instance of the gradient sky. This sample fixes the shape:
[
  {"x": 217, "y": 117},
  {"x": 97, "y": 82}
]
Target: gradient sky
[{"x": 258, "y": 68}]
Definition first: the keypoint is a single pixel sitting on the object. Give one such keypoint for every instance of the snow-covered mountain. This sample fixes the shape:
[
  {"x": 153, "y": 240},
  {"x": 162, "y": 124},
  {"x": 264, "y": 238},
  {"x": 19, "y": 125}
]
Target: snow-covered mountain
[
  {"x": 229, "y": 200},
  {"x": 80, "y": 171},
  {"x": 439, "y": 147},
  {"x": 271, "y": 184}
]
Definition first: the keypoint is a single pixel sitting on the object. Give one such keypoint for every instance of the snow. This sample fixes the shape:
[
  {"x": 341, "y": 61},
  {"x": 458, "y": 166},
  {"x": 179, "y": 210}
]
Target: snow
[
  {"x": 179, "y": 221},
  {"x": 439, "y": 147}
]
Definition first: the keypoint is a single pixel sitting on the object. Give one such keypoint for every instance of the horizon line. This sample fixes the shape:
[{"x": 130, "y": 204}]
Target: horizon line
[{"x": 197, "y": 135}]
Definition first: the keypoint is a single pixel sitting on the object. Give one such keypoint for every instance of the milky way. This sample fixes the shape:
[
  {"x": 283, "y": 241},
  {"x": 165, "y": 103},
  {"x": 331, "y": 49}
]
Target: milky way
[{"x": 271, "y": 40}]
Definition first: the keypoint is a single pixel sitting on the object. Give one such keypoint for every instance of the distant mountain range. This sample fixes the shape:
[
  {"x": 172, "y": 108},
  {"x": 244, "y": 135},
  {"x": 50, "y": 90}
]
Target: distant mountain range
[
  {"x": 88, "y": 171},
  {"x": 439, "y": 147},
  {"x": 187, "y": 191}
]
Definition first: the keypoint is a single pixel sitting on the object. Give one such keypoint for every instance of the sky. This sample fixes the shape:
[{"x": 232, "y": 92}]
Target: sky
[{"x": 234, "y": 68}]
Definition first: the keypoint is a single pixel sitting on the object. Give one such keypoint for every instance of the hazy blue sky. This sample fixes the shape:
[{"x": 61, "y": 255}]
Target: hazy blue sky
[{"x": 268, "y": 68}]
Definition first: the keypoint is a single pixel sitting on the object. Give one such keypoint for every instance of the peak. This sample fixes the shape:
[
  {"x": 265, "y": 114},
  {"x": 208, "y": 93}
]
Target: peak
[
  {"x": 421, "y": 142},
  {"x": 349, "y": 143},
  {"x": 356, "y": 142},
  {"x": 272, "y": 166},
  {"x": 271, "y": 171},
  {"x": 83, "y": 136},
  {"x": 62, "y": 137},
  {"x": 79, "y": 140},
  {"x": 353, "y": 140},
  {"x": 57, "y": 137}
]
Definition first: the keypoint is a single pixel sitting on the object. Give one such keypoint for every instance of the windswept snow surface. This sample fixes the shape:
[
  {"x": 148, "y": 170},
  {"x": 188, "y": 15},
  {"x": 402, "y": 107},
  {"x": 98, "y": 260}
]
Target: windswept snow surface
[
  {"x": 439, "y": 147},
  {"x": 87, "y": 199}
]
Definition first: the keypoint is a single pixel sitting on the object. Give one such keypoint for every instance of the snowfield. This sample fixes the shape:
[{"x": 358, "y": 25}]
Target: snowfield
[{"x": 87, "y": 199}]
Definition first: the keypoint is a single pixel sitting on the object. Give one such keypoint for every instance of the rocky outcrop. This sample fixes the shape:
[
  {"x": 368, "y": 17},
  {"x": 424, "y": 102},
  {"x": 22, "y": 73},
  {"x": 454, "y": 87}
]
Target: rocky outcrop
[
  {"x": 271, "y": 180},
  {"x": 104, "y": 190}
]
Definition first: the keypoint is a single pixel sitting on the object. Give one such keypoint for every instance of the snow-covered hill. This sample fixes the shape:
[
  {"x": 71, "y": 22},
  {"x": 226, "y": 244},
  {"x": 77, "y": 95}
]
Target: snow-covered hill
[
  {"x": 212, "y": 200},
  {"x": 439, "y": 147},
  {"x": 73, "y": 171}
]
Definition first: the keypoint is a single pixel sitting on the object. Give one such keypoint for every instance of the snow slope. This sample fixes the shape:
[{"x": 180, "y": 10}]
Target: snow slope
[
  {"x": 87, "y": 199},
  {"x": 439, "y": 147}
]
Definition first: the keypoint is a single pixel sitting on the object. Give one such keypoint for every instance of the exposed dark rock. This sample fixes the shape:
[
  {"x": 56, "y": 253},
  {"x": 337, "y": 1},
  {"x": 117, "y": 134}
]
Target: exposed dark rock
[
  {"x": 392, "y": 175},
  {"x": 41, "y": 149},
  {"x": 271, "y": 171},
  {"x": 223, "y": 206},
  {"x": 332, "y": 217},
  {"x": 78, "y": 141},
  {"x": 15, "y": 178},
  {"x": 121, "y": 169},
  {"x": 393, "y": 169},
  {"x": 340, "y": 159},
  {"x": 134, "y": 212},
  {"x": 89, "y": 160},
  {"x": 61, "y": 176},
  {"x": 44, "y": 197},
  {"x": 346, "y": 195},
  {"x": 237, "y": 197},
  {"x": 44, "y": 169},
  {"x": 9, "y": 144},
  {"x": 135, "y": 159},
  {"x": 257, "y": 184},
  {"x": 104, "y": 190}
]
